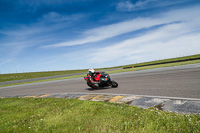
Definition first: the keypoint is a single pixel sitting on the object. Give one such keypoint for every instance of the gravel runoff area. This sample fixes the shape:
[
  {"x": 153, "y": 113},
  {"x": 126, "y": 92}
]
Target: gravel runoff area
[{"x": 169, "y": 104}]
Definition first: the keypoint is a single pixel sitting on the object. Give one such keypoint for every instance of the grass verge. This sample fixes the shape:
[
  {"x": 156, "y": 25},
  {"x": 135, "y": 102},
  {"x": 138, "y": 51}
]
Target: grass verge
[
  {"x": 114, "y": 71},
  {"x": 71, "y": 115},
  {"x": 165, "y": 60},
  {"x": 46, "y": 80},
  {"x": 156, "y": 66},
  {"x": 20, "y": 76}
]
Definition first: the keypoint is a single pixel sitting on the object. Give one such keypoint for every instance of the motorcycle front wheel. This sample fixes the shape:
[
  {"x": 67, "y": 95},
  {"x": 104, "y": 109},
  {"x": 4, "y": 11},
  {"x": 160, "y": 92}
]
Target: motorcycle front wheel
[{"x": 114, "y": 84}]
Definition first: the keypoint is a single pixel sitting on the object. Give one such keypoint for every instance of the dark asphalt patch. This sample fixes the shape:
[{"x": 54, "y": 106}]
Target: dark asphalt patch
[
  {"x": 182, "y": 106},
  {"x": 147, "y": 102}
]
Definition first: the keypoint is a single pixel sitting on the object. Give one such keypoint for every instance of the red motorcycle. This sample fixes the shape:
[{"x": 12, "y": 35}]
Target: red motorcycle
[{"x": 105, "y": 81}]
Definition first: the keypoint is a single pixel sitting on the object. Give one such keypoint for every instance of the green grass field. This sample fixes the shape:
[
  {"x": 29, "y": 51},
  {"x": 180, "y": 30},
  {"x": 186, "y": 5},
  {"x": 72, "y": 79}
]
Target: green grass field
[
  {"x": 75, "y": 116},
  {"x": 71, "y": 115},
  {"x": 20, "y": 76},
  {"x": 114, "y": 71},
  {"x": 166, "y": 60},
  {"x": 156, "y": 66}
]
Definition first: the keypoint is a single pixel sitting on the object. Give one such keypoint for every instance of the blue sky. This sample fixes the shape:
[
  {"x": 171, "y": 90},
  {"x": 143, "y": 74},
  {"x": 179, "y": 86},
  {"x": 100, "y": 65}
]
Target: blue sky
[{"x": 41, "y": 35}]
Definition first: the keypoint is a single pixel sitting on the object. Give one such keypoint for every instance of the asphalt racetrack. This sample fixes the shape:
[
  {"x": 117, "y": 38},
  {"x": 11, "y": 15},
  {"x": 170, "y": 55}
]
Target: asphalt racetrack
[{"x": 180, "y": 81}]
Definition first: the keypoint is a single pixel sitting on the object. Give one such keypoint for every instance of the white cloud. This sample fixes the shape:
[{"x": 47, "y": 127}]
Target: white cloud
[
  {"x": 36, "y": 3},
  {"x": 178, "y": 34},
  {"x": 145, "y": 4},
  {"x": 112, "y": 30},
  {"x": 125, "y": 6},
  {"x": 7, "y": 61},
  {"x": 17, "y": 40},
  {"x": 60, "y": 18},
  {"x": 176, "y": 39},
  {"x": 128, "y": 6}
]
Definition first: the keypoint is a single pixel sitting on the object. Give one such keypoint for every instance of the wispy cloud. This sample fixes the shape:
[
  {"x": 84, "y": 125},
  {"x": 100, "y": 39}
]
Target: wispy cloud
[
  {"x": 125, "y": 6},
  {"x": 149, "y": 47},
  {"x": 145, "y": 4},
  {"x": 55, "y": 35},
  {"x": 39, "y": 33},
  {"x": 49, "y": 2},
  {"x": 129, "y": 6},
  {"x": 112, "y": 30},
  {"x": 7, "y": 61},
  {"x": 109, "y": 31},
  {"x": 173, "y": 39},
  {"x": 57, "y": 18}
]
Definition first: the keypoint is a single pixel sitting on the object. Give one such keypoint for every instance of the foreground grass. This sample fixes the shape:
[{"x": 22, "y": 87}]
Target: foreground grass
[{"x": 70, "y": 115}]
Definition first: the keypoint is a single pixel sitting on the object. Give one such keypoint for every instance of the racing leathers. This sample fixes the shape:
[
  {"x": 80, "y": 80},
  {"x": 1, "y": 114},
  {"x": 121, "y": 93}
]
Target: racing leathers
[{"x": 94, "y": 78}]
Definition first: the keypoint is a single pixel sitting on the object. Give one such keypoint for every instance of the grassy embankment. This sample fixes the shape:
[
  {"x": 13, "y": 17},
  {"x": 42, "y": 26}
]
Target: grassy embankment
[
  {"x": 167, "y": 60},
  {"x": 19, "y": 76},
  {"x": 71, "y": 115}
]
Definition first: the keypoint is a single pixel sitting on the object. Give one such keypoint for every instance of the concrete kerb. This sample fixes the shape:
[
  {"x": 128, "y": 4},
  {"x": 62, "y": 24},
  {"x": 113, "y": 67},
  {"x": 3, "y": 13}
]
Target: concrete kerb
[{"x": 169, "y": 104}]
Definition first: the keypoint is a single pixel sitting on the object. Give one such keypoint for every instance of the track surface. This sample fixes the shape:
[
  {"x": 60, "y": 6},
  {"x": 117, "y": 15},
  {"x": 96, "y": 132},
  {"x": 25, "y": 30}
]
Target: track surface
[{"x": 183, "y": 81}]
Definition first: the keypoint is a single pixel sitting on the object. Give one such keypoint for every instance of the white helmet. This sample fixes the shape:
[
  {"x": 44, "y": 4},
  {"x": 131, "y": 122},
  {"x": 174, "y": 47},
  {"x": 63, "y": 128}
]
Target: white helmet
[{"x": 91, "y": 71}]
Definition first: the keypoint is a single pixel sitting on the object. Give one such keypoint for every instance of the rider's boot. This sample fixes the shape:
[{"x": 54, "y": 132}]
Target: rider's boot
[{"x": 96, "y": 86}]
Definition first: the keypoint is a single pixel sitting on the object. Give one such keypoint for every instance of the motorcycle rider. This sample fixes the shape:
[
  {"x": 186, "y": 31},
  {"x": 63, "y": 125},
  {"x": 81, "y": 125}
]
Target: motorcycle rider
[{"x": 94, "y": 77}]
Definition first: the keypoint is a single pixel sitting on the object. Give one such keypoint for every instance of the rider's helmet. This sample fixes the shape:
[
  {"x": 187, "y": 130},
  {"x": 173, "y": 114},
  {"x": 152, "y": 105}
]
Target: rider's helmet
[{"x": 91, "y": 71}]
